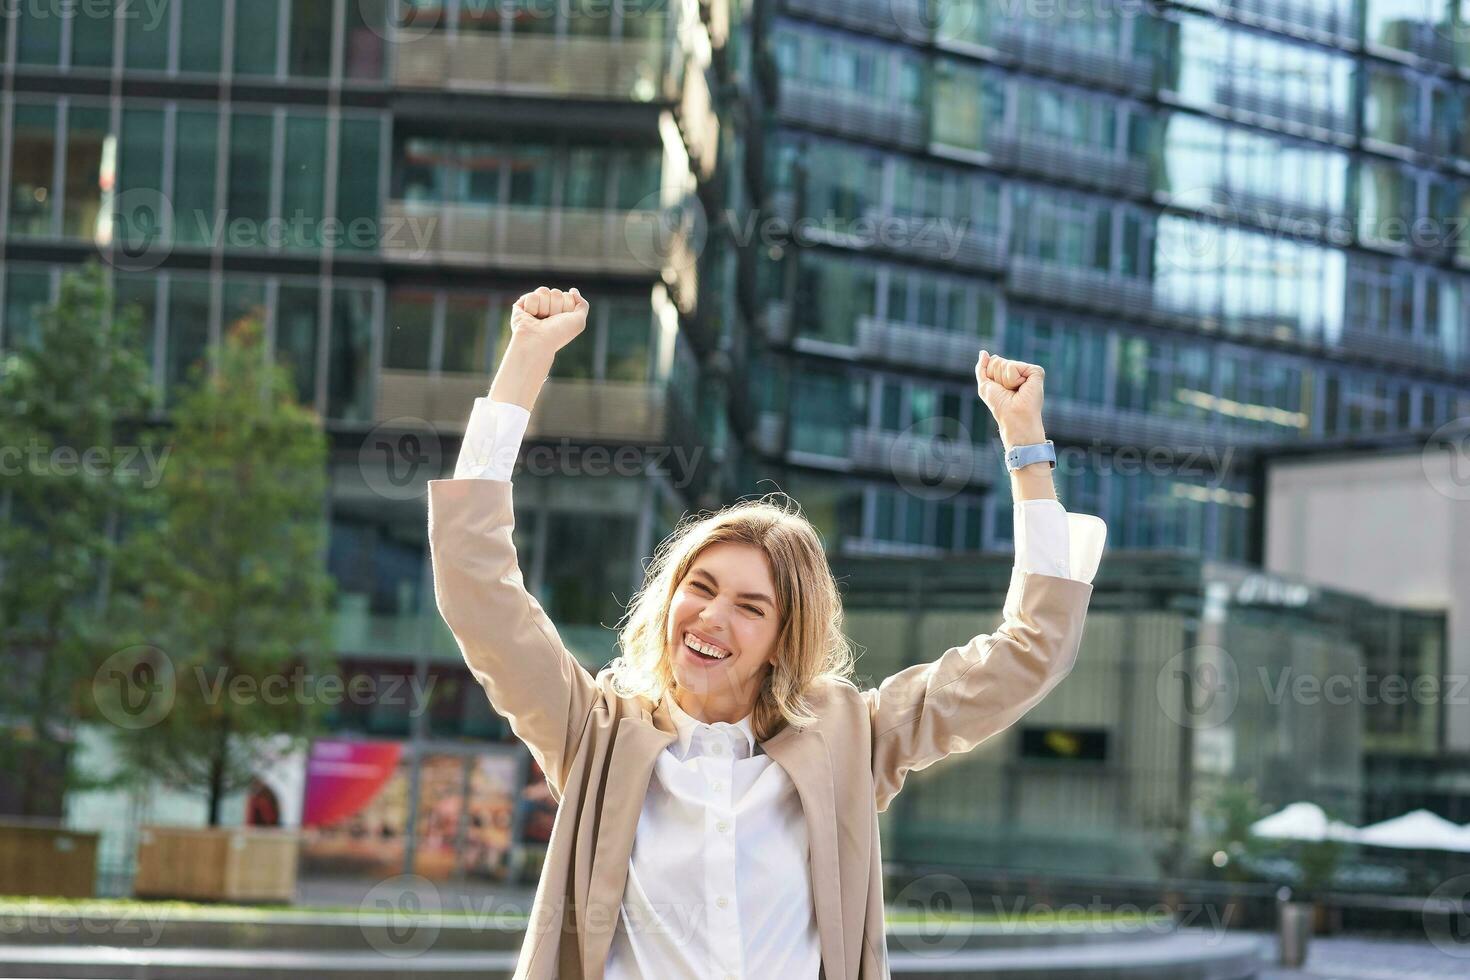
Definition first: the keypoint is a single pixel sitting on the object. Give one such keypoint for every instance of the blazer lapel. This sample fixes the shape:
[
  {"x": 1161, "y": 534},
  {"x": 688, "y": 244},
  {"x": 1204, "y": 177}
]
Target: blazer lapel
[
  {"x": 805, "y": 758},
  {"x": 635, "y": 752}
]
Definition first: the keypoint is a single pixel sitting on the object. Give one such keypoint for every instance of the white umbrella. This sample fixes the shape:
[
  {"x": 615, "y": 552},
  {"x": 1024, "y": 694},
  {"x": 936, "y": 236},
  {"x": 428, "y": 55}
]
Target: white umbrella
[
  {"x": 1303, "y": 821},
  {"x": 1419, "y": 829}
]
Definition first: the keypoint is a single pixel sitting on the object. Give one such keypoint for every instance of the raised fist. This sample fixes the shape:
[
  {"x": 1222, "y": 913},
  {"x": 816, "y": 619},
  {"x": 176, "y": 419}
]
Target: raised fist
[
  {"x": 1012, "y": 390},
  {"x": 549, "y": 317}
]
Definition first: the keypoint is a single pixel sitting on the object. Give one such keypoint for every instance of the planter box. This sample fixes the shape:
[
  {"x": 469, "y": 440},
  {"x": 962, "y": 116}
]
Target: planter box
[
  {"x": 224, "y": 864},
  {"x": 42, "y": 858}
]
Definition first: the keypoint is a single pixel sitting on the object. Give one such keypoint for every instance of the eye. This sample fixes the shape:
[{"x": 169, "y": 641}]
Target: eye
[
  {"x": 702, "y": 586},
  {"x": 755, "y": 609}
]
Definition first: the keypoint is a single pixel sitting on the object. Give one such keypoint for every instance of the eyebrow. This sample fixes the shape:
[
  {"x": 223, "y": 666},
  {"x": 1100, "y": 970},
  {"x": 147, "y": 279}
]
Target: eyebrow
[{"x": 744, "y": 595}]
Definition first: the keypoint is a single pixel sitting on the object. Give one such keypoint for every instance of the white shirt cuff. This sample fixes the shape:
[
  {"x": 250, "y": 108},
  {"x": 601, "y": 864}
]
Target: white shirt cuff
[
  {"x": 1050, "y": 541},
  {"x": 492, "y": 440}
]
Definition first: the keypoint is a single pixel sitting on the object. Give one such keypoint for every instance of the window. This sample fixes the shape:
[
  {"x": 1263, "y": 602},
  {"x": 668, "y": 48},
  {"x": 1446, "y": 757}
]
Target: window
[
  {"x": 409, "y": 331},
  {"x": 357, "y": 183},
  {"x": 188, "y": 333},
  {"x": 629, "y": 330},
  {"x": 39, "y": 33},
  {"x": 363, "y": 47},
  {"x": 466, "y": 337},
  {"x": 145, "y": 41},
  {"x": 255, "y": 37},
  {"x": 203, "y": 24},
  {"x": 296, "y": 336},
  {"x": 26, "y": 289},
  {"x": 87, "y": 131},
  {"x": 137, "y": 295},
  {"x": 243, "y": 300},
  {"x": 303, "y": 189},
  {"x": 32, "y": 170},
  {"x": 249, "y": 196},
  {"x": 310, "y": 53},
  {"x": 349, "y": 369},
  {"x": 194, "y": 183},
  {"x": 91, "y": 34}
]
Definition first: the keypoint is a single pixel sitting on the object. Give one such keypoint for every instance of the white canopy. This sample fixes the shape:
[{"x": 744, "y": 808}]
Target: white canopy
[
  {"x": 1303, "y": 821},
  {"x": 1419, "y": 829}
]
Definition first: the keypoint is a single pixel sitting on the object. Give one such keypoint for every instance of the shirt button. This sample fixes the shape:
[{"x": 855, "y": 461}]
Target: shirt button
[
  {"x": 717, "y": 749},
  {"x": 722, "y": 901},
  {"x": 717, "y": 786},
  {"x": 722, "y": 826}
]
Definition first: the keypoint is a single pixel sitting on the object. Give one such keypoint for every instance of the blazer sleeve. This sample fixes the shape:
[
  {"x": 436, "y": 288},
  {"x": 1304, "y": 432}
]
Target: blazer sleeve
[
  {"x": 510, "y": 645},
  {"x": 925, "y": 712}
]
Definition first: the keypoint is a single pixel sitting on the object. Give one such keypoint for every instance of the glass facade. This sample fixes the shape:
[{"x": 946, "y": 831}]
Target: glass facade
[{"x": 1216, "y": 237}]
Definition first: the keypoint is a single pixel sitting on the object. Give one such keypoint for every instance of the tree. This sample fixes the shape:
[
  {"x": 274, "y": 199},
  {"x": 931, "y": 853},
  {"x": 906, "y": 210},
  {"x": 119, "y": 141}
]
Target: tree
[
  {"x": 231, "y": 582},
  {"x": 67, "y": 489}
]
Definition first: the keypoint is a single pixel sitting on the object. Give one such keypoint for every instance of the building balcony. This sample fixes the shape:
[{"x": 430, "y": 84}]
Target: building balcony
[
  {"x": 597, "y": 240},
  {"x": 1421, "y": 39},
  {"x": 922, "y": 459},
  {"x": 1409, "y": 352},
  {"x": 630, "y": 413},
  {"x": 844, "y": 114},
  {"x": 917, "y": 346},
  {"x": 1271, "y": 212},
  {"x": 884, "y": 18},
  {"x": 1072, "y": 163},
  {"x": 1110, "y": 426},
  {"x": 952, "y": 240},
  {"x": 1032, "y": 45},
  {"x": 1290, "y": 16},
  {"x": 1274, "y": 106},
  {"x": 915, "y": 459},
  {"x": 1103, "y": 292},
  {"x": 613, "y": 69}
]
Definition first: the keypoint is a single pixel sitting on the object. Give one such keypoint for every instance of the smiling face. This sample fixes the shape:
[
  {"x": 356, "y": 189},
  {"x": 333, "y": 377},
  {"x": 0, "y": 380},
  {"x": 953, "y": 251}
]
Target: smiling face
[{"x": 726, "y": 605}]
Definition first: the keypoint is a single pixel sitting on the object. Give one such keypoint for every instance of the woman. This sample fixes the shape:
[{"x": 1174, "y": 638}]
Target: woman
[{"x": 719, "y": 784}]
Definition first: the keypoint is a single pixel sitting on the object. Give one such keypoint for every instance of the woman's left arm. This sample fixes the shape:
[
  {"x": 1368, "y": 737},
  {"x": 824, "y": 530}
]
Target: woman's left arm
[{"x": 929, "y": 711}]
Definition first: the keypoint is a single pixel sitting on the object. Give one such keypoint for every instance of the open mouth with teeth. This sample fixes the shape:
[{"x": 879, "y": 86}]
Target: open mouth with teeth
[{"x": 704, "y": 651}]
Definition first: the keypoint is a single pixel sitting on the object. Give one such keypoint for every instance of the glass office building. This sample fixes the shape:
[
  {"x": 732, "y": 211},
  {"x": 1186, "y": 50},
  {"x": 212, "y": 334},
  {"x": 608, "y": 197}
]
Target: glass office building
[
  {"x": 1194, "y": 676},
  {"x": 1219, "y": 225},
  {"x": 378, "y": 194}
]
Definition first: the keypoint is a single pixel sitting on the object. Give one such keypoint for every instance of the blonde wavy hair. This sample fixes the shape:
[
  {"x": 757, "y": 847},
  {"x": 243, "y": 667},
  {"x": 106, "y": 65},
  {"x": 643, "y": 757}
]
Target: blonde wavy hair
[{"x": 811, "y": 646}]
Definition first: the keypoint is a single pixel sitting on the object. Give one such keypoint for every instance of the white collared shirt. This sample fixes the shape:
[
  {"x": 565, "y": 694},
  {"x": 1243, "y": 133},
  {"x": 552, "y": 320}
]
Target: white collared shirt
[{"x": 719, "y": 882}]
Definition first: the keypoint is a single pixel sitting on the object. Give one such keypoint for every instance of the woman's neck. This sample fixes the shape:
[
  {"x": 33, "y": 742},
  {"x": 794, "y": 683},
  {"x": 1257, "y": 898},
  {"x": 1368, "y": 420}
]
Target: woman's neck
[{"x": 710, "y": 710}]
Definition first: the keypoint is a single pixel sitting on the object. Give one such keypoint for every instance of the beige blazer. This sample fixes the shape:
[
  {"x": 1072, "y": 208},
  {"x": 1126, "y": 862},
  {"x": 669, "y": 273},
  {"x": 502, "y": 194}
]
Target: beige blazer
[{"x": 598, "y": 749}]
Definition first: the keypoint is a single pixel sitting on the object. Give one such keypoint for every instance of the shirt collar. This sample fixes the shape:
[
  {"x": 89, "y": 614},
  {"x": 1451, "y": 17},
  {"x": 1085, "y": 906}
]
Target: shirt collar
[{"x": 687, "y": 725}]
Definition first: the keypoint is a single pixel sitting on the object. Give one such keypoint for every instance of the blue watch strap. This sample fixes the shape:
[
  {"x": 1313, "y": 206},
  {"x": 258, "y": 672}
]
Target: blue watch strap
[{"x": 1019, "y": 456}]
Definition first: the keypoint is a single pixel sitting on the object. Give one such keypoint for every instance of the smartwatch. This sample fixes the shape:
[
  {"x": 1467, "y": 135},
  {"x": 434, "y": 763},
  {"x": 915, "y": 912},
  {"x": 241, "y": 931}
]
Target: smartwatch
[{"x": 1019, "y": 456}]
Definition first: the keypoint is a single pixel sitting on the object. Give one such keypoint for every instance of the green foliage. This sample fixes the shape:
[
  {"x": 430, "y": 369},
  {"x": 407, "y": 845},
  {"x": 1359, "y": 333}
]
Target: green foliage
[
  {"x": 230, "y": 579},
  {"x": 66, "y": 494}
]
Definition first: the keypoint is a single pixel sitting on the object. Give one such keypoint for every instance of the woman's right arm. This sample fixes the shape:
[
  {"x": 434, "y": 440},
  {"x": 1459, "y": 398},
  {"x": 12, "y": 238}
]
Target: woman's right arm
[{"x": 509, "y": 644}]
